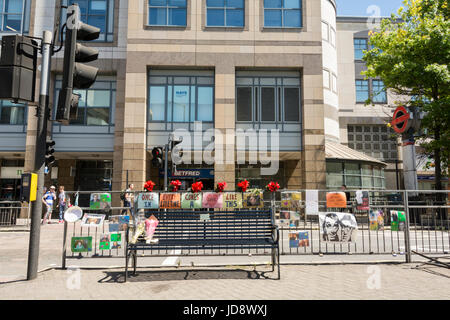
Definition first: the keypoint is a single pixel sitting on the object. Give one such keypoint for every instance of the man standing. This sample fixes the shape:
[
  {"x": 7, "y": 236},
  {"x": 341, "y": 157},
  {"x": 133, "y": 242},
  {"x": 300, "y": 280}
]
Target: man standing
[
  {"x": 48, "y": 199},
  {"x": 129, "y": 199},
  {"x": 61, "y": 203}
]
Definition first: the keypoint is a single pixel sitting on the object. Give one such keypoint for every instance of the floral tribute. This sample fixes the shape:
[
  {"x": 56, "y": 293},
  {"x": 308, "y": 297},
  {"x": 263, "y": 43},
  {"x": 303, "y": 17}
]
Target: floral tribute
[
  {"x": 273, "y": 186},
  {"x": 243, "y": 185},
  {"x": 149, "y": 185},
  {"x": 175, "y": 185},
  {"x": 197, "y": 187},
  {"x": 221, "y": 186}
]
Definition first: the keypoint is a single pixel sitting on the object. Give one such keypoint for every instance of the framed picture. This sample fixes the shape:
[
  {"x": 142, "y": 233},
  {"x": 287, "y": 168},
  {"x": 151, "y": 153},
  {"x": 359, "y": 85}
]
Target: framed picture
[
  {"x": 81, "y": 244},
  {"x": 92, "y": 220}
]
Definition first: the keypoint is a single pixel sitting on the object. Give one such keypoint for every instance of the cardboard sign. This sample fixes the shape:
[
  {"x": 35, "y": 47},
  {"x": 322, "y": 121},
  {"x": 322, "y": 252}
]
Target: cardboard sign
[
  {"x": 212, "y": 200},
  {"x": 170, "y": 201},
  {"x": 191, "y": 200},
  {"x": 291, "y": 199},
  {"x": 149, "y": 200},
  {"x": 232, "y": 200},
  {"x": 253, "y": 200},
  {"x": 336, "y": 200}
]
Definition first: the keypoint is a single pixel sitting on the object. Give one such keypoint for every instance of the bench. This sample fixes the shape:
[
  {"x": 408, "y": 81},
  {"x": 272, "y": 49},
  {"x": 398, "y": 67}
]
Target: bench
[{"x": 225, "y": 230}]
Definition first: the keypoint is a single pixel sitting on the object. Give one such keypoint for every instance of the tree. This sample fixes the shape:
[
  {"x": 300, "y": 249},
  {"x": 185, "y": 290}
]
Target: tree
[{"x": 411, "y": 54}]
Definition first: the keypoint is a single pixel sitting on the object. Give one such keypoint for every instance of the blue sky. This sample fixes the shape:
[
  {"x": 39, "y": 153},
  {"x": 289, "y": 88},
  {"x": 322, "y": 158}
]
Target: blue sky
[{"x": 360, "y": 7}]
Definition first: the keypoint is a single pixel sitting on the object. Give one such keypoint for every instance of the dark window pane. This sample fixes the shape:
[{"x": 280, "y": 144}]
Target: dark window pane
[
  {"x": 98, "y": 21},
  {"x": 244, "y": 104},
  {"x": 272, "y": 18},
  {"x": 177, "y": 17},
  {"x": 157, "y": 16},
  {"x": 216, "y": 17},
  {"x": 273, "y": 3},
  {"x": 291, "y": 104},
  {"x": 268, "y": 104},
  {"x": 235, "y": 17},
  {"x": 235, "y": 3},
  {"x": 292, "y": 18},
  {"x": 12, "y": 115},
  {"x": 215, "y": 3},
  {"x": 98, "y": 116}
]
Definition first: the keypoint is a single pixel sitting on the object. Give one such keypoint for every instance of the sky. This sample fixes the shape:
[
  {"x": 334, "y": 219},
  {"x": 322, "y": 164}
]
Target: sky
[{"x": 367, "y": 7}]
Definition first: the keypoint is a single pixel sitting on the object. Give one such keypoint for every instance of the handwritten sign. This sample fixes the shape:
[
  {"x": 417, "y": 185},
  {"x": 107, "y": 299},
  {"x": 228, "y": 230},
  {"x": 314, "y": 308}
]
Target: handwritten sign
[
  {"x": 191, "y": 200},
  {"x": 232, "y": 200},
  {"x": 148, "y": 200},
  {"x": 336, "y": 200},
  {"x": 212, "y": 200},
  {"x": 170, "y": 201}
]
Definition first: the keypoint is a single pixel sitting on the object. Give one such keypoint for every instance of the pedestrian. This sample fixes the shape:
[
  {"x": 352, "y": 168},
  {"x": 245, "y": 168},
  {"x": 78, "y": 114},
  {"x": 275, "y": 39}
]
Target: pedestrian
[
  {"x": 347, "y": 196},
  {"x": 62, "y": 203},
  {"x": 48, "y": 199},
  {"x": 128, "y": 199}
]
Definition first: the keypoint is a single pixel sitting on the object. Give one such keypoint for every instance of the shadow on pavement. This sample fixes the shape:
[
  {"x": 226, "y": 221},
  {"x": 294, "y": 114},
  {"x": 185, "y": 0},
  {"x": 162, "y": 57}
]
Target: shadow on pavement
[{"x": 176, "y": 275}]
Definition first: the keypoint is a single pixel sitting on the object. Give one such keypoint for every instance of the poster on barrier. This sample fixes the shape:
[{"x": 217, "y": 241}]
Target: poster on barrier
[
  {"x": 336, "y": 200},
  {"x": 362, "y": 200},
  {"x": 92, "y": 220},
  {"x": 380, "y": 220},
  {"x": 338, "y": 227},
  {"x": 373, "y": 220},
  {"x": 298, "y": 239},
  {"x": 100, "y": 201},
  {"x": 253, "y": 199},
  {"x": 290, "y": 199},
  {"x": 232, "y": 200},
  {"x": 148, "y": 200},
  {"x": 398, "y": 220},
  {"x": 312, "y": 202},
  {"x": 81, "y": 244},
  {"x": 212, "y": 200},
  {"x": 116, "y": 240},
  {"x": 122, "y": 221},
  {"x": 170, "y": 201},
  {"x": 104, "y": 242},
  {"x": 191, "y": 200}
]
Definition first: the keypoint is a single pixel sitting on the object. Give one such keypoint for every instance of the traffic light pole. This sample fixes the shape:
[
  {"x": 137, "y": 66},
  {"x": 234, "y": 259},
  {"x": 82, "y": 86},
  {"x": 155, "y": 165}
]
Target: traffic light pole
[
  {"x": 166, "y": 164},
  {"x": 43, "y": 113}
]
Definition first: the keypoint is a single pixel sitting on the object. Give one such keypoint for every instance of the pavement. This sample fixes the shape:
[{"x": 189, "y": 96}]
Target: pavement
[{"x": 303, "y": 276}]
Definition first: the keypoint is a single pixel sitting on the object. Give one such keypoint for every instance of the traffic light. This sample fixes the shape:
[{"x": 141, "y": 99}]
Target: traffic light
[
  {"x": 76, "y": 75},
  {"x": 49, "y": 150},
  {"x": 157, "y": 154},
  {"x": 18, "y": 62},
  {"x": 173, "y": 147}
]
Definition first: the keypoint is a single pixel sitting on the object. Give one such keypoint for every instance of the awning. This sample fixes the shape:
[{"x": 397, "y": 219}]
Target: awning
[{"x": 340, "y": 152}]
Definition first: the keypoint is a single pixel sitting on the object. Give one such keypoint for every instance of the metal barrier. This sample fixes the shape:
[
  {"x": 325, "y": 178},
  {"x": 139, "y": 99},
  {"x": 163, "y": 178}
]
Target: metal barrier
[
  {"x": 425, "y": 230},
  {"x": 10, "y": 213}
]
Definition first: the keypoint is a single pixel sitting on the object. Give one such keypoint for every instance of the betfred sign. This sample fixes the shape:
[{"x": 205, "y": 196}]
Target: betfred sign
[{"x": 401, "y": 120}]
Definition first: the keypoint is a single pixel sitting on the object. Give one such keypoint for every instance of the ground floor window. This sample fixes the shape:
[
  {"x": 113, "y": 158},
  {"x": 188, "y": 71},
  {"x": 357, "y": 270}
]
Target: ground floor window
[
  {"x": 12, "y": 113},
  {"x": 354, "y": 175}
]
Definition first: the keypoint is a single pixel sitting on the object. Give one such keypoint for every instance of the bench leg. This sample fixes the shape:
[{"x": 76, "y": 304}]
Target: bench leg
[
  {"x": 273, "y": 259},
  {"x": 134, "y": 262},
  {"x": 278, "y": 254},
  {"x": 126, "y": 264}
]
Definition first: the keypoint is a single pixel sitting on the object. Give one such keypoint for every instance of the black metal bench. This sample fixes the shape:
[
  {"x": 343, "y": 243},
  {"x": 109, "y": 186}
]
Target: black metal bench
[{"x": 226, "y": 230}]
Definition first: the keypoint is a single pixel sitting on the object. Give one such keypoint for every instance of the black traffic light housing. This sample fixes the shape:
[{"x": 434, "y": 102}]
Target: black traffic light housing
[
  {"x": 157, "y": 160},
  {"x": 49, "y": 150},
  {"x": 76, "y": 75},
  {"x": 18, "y": 61}
]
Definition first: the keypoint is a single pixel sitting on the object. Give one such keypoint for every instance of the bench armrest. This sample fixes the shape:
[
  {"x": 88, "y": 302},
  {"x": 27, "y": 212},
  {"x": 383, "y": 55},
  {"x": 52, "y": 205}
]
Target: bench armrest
[{"x": 277, "y": 229}]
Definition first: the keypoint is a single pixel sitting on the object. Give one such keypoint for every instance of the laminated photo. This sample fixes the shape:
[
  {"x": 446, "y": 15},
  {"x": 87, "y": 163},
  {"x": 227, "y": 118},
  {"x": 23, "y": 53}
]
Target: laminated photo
[
  {"x": 337, "y": 227},
  {"x": 398, "y": 220},
  {"x": 291, "y": 199},
  {"x": 284, "y": 223},
  {"x": 362, "y": 200},
  {"x": 298, "y": 239},
  {"x": 100, "y": 201},
  {"x": 113, "y": 227},
  {"x": 191, "y": 200},
  {"x": 104, "y": 242},
  {"x": 148, "y": 200},
  {"x": 81, "y": 244},
  {"x": 212, "y": 200},
  {"x": 232, "y": 200},
  {"x": 253, "y": 199},
  {"x": 116, "y": 240},
  {"x": 92, "y": 220}
]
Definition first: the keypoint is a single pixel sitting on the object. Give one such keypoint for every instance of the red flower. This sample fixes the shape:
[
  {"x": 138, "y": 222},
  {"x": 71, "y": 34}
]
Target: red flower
[
  {"x": 243, "y": 185},
  {"x": 197, "y": 187},
  {"x": 175, "y": 185},
  {"x": 221, "y": 186},
  {"x": 273, "y": 186},
  {"x": 149, "y": 185}
]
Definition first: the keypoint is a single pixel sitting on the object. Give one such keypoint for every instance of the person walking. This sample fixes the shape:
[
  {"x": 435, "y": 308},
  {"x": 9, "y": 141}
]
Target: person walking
[
  {"x": 62, "y": 203},
  {"x": 48, "y": 199},
  {"x": 129, "y": 199}
]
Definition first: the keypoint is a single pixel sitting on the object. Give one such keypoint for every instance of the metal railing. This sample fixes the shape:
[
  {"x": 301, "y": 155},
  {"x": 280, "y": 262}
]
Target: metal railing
[{"x": 10, "y": 213}]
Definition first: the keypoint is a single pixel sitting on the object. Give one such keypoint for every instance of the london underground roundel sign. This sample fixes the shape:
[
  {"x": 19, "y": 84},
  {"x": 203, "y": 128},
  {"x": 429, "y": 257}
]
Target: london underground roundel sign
[{"x": 400, "y": 120}]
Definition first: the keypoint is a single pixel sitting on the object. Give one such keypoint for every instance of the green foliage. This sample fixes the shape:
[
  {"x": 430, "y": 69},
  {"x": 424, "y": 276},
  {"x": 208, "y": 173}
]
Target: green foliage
[{"x": 411, "y": 54}]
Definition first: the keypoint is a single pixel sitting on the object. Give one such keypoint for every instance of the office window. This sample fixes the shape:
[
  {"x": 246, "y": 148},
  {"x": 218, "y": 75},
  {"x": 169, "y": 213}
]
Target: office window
[
  {"x": 99, "y": 13},
  {"x": 359, "y": 46},
  {"x": 268, "y": 99},
  {"x": 362, "y": 91},
  {"x": 333, "y": 37},
  {"x": 325, "y": 32},
  {"x": 11, "y": 113},
  {"x": 225, "y": 13},
  {"x": 167, "y": 12},
  {"x": 181, "y": 99},
  {"x": 15, "y": 16},
  {"x": 382, "y": 146},
  {"x": 283, "y": 13},
  {"x": 334, "y": 83},
  {"x": 326, "y": 79},
  {"x": 96, "y": 105},
  {"x": 378, "y": 91}
]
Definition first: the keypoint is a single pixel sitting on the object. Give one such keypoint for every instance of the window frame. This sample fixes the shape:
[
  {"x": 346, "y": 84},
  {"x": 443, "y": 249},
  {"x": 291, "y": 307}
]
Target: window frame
[
  {"x": 376, "y": 94},
  {"x": 167, "y": 7},
  {"x": 18, "y": 105},
  {"x": 24, "y": 20},
  {"x": 225, "y": 9},
  {"x": 356, "y": 90},
  {"x": 354, "y": 47},
  {"x": 283, "y": 10}
]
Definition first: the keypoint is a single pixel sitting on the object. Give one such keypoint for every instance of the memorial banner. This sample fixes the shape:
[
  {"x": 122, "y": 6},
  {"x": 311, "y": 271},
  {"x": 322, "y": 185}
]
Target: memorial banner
[
  {"x": 149, "y": 200},
  {"x": 337, "y": 227},
  {"x": 212, "y": 200},
  {"x": 170, "y": 201},
  {"x": 232, "y": 200},
  {"x": 191, "y": 200}
]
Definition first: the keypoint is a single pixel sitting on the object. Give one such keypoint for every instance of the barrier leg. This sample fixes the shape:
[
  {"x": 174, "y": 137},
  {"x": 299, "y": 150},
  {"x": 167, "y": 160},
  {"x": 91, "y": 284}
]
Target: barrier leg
[{"x": 126, "y": 264}]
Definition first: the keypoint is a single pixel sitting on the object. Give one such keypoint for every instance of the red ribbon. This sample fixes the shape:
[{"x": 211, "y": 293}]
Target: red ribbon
[
  {"x": 221, "y": 186},
  {"x": 149, "y": 185},
  {"x": 197, "y": 187},
  {"x": 243, "y": 185},
  {"x": 273, "y": 186}
]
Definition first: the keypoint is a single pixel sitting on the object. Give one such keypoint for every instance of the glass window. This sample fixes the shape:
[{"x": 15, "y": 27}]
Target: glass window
[
  {"x": 352, "y": 168},
  {"x": 292, "y": 104},
  {"x": 359, "y": 46},
  {"x": 325, "y": 32},
  {"x": 333, "y": 37},
  {"x": 244, "y": 104},
  {"x": 167, "y": 12},
  {"x": 334, "y": 83},
  {"x": 225, "y": 13},
  {"x": 95, "y": 105},
  {"x": 11, "y": 113},
  {"x": 283, "y": 13},
  {"x": 180, "y": 99},
  {"x": 268, "y": 104},
  {"x": 15, "y": 16},
  {"x": 362, "y": 91},
  {"x": 99, "y": 13},
  {"x": 378, "y": 91},
  {"x": 326, "y": 79}
]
